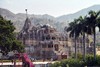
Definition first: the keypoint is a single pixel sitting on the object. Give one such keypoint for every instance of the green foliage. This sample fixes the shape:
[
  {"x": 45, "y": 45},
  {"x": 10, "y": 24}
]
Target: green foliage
[
  {"x": 8, "y": 61},
  {"x": 79, "y": 55},
  {"x": 68, "y": 63},
  {"x": 17, "y": 46},
  {"x": 57, "y": 64},
  {"x": 98, "y": 44},
  {"x": 91, "y": 62},
  {"x": 75, "y": 63},
  {"x": 98, "y": 60},
  {"x": 85, "y": 25},
  {"x": 8, "y": 41},
  {"x": 78, "y": 62}
]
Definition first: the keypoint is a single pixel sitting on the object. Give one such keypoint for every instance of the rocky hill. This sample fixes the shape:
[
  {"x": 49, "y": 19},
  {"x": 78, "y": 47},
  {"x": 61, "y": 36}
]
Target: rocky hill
[{"x": 57, "y": 22}]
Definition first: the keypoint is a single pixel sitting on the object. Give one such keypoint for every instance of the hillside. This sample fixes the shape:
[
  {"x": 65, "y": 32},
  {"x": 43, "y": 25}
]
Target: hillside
[{"x": 57, "y": 22}]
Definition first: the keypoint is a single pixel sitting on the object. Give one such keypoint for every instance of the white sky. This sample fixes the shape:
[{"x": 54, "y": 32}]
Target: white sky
[{"x": 51, "y": 7}]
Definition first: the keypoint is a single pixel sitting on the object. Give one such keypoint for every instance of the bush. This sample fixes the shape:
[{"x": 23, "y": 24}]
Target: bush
[
  {"x": 75, "y": 63},
  {"x": 56, "y": 64},
  {"x": 89, "y": 61},
  {"x": 68, "y": 63},
  {"x": 98, "y": 60},
  {"x": 79, "y": 55}
]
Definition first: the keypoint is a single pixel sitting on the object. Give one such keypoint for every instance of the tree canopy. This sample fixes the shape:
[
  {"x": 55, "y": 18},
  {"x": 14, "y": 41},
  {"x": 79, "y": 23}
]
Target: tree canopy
[
  {"x": 86, "y": 25},
  {"x": 8, "y": 41}
]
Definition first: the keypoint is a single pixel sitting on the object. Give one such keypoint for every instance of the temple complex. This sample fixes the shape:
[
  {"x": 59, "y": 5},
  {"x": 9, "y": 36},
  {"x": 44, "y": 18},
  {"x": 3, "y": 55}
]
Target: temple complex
[{"x": 45, "y": 42}]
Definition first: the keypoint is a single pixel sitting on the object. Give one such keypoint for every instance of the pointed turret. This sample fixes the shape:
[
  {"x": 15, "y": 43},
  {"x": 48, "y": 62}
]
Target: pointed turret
[
  {"x": 27, "y": 24},
  {"x": 26, "y": 27}
]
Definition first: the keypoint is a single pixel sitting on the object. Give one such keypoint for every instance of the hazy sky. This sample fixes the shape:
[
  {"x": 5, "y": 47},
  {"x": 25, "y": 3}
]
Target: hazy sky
[{"x": 51, "y": 7}]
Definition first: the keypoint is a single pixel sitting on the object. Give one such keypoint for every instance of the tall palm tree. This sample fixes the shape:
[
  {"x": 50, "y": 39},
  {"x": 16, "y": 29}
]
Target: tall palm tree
[
  {"x": 74, "y": 32},
  {"x": 83, "y": 31},
  {"x": 92, "y": 23}
]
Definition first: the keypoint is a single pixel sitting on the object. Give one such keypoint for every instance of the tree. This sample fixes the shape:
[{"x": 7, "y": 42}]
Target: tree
[
  {"x": 83, "y": 28},
  {"x": 8, "y": 41},
  {"x": 74, "y": 32},
  {"x": 92, "y": 23}
]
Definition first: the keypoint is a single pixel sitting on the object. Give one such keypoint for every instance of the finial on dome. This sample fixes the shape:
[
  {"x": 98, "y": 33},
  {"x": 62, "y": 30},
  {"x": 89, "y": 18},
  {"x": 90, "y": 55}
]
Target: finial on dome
[{"x": 26, "y": 12}]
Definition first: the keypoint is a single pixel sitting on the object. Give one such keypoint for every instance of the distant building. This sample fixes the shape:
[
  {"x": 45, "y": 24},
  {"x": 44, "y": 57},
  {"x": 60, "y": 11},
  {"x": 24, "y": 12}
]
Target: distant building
[{"x": 43, "y": 41}]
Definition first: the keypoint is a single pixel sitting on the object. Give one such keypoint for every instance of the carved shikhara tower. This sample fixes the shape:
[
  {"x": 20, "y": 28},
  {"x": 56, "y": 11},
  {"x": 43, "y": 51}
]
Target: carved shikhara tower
[{"x": 45, "y": 42}]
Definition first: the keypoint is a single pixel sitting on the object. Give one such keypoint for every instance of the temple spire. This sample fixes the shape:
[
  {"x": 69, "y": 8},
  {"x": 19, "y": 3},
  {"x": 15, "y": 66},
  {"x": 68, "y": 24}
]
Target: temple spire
[{"x": 26, "y": 13}]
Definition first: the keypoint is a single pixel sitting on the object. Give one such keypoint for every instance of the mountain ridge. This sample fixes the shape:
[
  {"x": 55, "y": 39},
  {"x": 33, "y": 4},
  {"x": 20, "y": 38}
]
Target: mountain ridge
[
  {"x": 58, "y": 22},
  {"x": 82, "y": 12}
]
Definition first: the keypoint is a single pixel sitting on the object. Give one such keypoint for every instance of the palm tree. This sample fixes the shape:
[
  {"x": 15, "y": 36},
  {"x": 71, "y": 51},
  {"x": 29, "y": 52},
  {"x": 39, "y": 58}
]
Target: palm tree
[
  {"x": 92, "y": 23},
  {"x": 74, "y": 32},
  {"x": 85, "y": 25},
  {"x": 83, "y": 28}
]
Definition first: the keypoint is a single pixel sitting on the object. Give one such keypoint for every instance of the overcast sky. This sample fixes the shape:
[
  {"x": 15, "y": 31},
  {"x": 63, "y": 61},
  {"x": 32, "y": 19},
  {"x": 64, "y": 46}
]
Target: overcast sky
[{"x": 51, "y": 7}]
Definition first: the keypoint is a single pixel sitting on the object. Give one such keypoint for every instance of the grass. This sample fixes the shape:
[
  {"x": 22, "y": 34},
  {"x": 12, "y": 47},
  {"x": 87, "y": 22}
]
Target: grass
[{"x": 9, "y": 60}]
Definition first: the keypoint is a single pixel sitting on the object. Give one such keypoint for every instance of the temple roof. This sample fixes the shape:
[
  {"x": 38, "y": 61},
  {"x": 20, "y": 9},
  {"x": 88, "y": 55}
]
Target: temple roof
[{"x": 27, "y": 25}]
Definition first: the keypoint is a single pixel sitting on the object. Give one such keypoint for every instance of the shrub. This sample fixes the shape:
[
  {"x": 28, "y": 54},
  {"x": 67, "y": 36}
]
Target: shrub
[
  {"x": 56, "y": 64},
  {"x": 98, "y": 60},
  {"x": 68, "y": 63},
  {"x": 89, "y": 61}
]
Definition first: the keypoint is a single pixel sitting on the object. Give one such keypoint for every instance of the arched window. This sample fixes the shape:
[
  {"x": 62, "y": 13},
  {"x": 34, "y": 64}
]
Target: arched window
[
  {"x": 48, "y": 37},
  {"x": 50, "y": 46},
  {"x": 43, "y": 45},
  {"x": 43, "y": 38},
  {"x": 56, "y": 47},
  {"x": 53, "y": 38}
]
